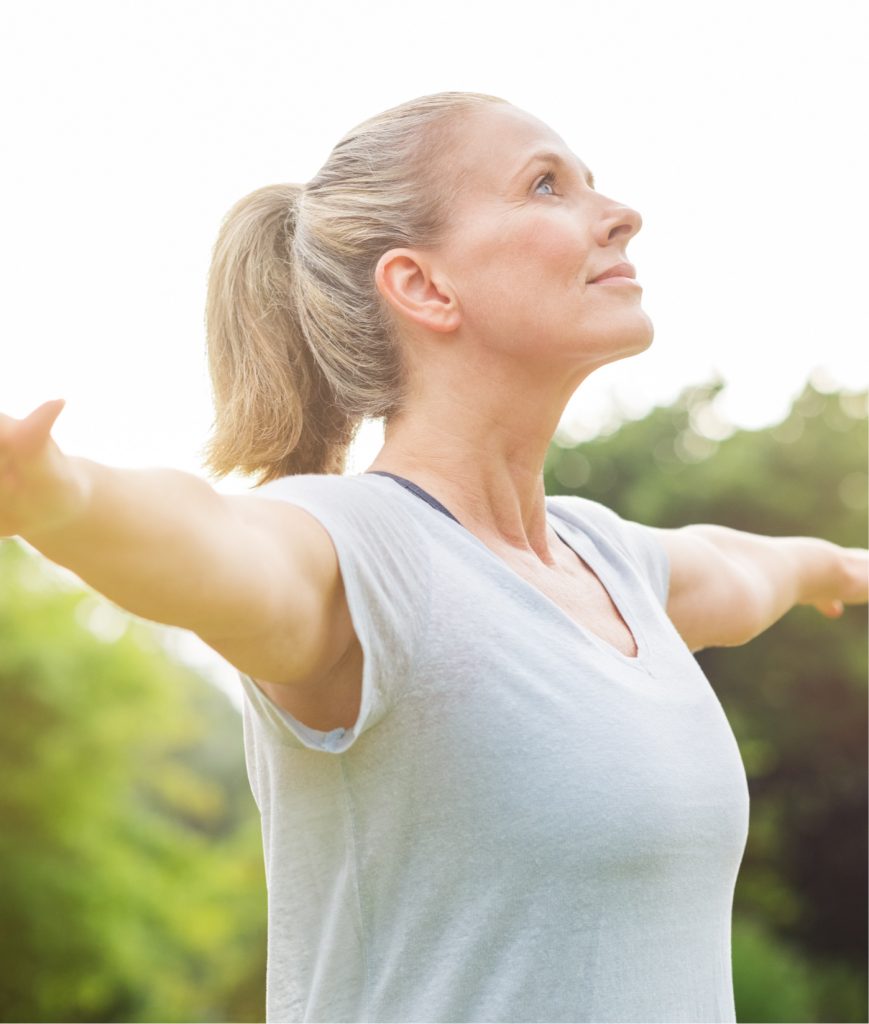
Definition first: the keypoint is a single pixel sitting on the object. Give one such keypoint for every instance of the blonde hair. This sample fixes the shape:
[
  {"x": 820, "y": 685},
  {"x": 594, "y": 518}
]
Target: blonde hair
[{"x": 301, "y": 347}]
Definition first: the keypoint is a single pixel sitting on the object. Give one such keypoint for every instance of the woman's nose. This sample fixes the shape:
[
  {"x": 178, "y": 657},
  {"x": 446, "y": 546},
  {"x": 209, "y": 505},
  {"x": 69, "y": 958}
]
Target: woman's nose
[{"x": 618, "y": 223}]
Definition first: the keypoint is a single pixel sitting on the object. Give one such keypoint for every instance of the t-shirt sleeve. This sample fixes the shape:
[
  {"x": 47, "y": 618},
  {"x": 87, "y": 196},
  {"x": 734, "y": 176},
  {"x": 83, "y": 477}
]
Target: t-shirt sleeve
[
  {"x": 636, "y": 541},
  {"x": 385, "y": 566}
]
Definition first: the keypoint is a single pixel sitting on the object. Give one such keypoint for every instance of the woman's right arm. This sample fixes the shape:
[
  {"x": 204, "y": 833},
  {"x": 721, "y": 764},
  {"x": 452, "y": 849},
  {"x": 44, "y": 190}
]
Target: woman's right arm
[{"x": 257, "y": 580}]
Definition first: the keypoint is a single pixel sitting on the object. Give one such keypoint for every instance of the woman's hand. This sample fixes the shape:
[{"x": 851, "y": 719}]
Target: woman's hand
[
  {"x": 40, "y": 487},
  {"x": 841, "y": 578}
]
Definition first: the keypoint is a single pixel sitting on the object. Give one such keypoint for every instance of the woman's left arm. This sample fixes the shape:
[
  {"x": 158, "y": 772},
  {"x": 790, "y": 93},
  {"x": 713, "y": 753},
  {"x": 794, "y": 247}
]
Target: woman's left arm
[{"x": 727, "y": 586}]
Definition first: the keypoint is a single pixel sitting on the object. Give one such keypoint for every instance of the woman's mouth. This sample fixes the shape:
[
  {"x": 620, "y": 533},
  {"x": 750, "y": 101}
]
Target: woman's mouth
[{"x": 619, "y": 273}]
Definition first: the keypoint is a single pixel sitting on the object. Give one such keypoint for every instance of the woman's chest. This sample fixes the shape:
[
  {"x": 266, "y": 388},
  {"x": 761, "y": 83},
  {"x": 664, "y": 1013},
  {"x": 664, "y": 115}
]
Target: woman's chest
[
  {"x": 574, "y": 588},
  {"x": 568, "y": 761}
]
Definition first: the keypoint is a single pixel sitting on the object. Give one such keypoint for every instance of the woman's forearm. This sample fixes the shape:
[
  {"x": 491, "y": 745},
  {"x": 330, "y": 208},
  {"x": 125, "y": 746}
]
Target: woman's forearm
[
  {"x": 728, "y": 586},
  {"x": 789, "y": 571},
  {"x": 159, "y": 542}
]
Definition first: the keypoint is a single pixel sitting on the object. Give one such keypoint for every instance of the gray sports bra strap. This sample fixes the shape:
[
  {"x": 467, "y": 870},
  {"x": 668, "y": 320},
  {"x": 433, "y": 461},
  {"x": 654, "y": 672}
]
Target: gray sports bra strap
[{"x": 418, "y": 491}]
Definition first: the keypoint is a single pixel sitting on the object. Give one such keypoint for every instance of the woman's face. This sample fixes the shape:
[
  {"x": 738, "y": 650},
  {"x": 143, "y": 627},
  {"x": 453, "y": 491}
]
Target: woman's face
[{"x": 528, "y": 236}]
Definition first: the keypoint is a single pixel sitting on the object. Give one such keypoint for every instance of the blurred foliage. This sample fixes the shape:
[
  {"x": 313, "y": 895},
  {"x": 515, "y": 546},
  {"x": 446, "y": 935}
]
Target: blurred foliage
[
  {"x": 775, "y": 981},
  {"x": 130, "y": 853},
  {"x": 131, "y": 856},
  {"x": 795, "y": 696}
]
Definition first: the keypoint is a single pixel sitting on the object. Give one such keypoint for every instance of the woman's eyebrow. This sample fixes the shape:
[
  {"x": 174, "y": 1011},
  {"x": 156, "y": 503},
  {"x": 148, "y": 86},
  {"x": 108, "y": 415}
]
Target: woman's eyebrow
[{"x": 547, "y": 156}]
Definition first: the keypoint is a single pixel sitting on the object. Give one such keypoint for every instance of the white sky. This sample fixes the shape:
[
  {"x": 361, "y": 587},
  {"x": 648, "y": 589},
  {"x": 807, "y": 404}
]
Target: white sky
[{"x": 131, "y": 127}]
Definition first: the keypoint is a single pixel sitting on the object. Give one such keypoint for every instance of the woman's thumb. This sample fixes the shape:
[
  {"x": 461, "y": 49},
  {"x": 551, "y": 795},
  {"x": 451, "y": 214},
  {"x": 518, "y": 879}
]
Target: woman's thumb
[{"x": 36, "y": 427}]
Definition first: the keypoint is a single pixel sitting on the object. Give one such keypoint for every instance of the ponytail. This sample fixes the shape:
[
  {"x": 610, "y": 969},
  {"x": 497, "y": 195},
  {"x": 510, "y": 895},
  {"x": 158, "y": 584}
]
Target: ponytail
[
  {"x": 301, "y": 348},
  {"x": 267, "y": 387}
]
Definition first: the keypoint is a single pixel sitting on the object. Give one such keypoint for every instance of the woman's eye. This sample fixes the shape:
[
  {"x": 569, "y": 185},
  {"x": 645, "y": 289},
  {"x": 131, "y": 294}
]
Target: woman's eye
[{"x": 547, "y": 181}]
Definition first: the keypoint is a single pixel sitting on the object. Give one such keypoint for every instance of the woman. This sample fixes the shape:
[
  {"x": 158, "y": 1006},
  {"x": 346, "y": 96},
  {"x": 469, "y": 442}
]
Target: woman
[{"x": 494, "y": 783}]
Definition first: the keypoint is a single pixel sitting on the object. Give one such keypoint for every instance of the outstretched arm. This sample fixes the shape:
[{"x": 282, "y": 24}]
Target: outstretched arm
[
  {"x": 258, "y": 580},
  {"x": 727, "y": 586}
]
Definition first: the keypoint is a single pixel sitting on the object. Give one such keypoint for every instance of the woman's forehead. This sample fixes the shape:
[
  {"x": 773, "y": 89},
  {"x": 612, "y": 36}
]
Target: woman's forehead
[{"x": 500, "y": 141}]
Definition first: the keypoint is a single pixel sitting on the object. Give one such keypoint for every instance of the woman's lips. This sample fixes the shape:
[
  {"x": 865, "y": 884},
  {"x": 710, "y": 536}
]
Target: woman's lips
[
  {"x": 619, "y": 273},
  {"x": 618, "y": 279}
]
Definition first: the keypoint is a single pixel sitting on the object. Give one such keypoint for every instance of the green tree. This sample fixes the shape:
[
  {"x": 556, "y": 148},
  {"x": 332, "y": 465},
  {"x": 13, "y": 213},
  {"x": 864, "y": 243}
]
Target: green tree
[{"x": 130, "y": 853}]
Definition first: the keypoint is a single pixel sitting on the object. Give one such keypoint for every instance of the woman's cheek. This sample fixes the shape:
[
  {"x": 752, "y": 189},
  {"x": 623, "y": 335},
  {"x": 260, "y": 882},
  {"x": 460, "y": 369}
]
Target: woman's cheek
[{"x": 560, "y": 252}]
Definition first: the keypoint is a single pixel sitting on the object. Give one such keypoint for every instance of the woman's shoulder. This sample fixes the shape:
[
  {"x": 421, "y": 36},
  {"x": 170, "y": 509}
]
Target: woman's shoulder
[
  {"x": 353, "y": 495},
  {"x": 632, "y": 539},
  {"x": 586, "y": 512},
  {"x": 357, "y": 507},
  {"x": 313, "y": 483}
]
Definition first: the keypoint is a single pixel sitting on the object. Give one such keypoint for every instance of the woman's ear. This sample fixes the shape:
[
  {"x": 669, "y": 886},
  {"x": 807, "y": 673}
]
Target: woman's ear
[{"x": 416, "y": 291}]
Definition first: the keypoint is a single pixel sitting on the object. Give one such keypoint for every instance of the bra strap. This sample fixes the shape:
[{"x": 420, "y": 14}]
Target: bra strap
[{"x": 418, "y": 491}]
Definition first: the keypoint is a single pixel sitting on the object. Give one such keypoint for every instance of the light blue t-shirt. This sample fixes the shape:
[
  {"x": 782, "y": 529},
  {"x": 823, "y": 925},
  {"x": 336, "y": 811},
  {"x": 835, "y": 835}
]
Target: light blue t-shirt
[{"x": 523, "y": 824}]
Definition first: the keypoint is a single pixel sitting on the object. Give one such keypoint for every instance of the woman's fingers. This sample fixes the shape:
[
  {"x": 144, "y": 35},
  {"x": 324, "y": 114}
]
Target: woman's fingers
[
  {"x": 856, "y": 590},
  {"x": 26, "y": 436},
  {"x": 38, "y": 482},
  {"x": 850, "y": 586},
  {"x": 36, "y": 427}
]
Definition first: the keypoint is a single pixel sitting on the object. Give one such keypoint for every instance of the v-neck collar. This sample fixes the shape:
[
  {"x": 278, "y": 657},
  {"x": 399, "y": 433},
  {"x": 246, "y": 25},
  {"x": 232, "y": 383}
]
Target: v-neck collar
[{"x": 584, "y": 548}]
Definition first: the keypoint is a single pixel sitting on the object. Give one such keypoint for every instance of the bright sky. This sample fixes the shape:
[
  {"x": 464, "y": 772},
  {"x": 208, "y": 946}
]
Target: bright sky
[{"x": 131, "y": 127}]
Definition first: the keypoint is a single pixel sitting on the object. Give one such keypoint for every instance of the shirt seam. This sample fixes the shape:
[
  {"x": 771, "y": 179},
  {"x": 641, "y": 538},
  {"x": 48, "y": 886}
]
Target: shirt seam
[
  {"x": 423, "y": 630},
  {"x": 352, "y": 836}
]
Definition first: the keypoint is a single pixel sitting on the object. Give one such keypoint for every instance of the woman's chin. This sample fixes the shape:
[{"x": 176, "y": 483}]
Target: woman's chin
[
  {"x": 635, "y": 338},
  {"x": 626, "y": 344},
  {"x": 649, "y": 335},
  {"x": 627, "y": 335},
  {"x": 642, "y": 335}
]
